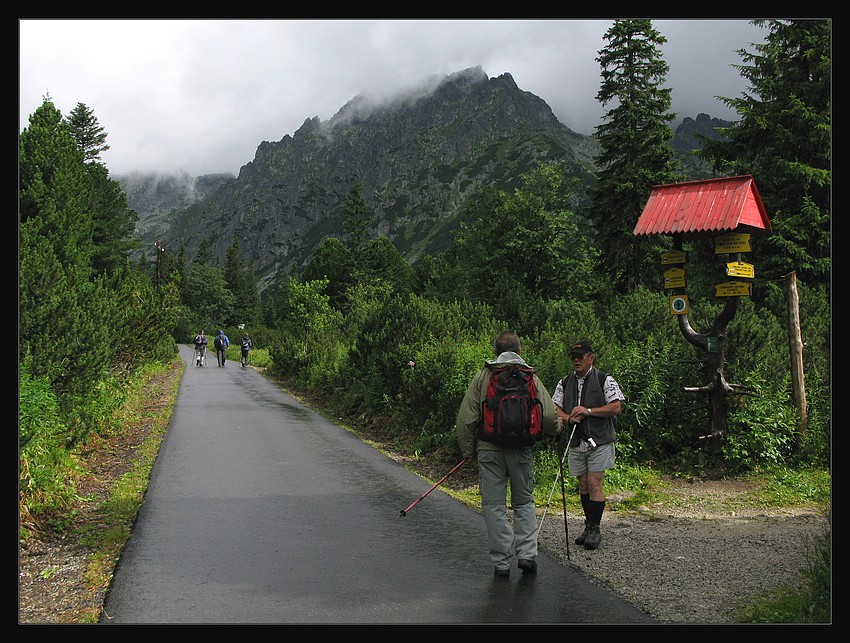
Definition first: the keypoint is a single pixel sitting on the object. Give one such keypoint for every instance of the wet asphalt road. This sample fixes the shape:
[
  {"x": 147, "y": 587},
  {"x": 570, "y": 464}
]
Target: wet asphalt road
[{"x": 261, "y": 511}]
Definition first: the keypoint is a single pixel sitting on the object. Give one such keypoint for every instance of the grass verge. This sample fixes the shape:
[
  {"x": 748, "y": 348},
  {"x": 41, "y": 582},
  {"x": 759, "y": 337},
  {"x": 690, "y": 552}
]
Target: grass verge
[{"x": 105, "y": 532}]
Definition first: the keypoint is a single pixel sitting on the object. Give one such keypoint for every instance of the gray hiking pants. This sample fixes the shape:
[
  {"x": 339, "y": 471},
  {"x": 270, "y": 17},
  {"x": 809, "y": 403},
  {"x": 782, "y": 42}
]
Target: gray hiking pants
[{"x": 497, "y": 468}]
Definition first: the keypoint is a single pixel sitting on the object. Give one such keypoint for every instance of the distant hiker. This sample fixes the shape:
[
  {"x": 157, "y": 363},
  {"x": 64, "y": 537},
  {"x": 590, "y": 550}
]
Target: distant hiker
[
  {"x": 500, "y": 464},
  {"x": 245, "y": 344},
  {"x": 221, "y": 345},
  {"x": 200, "y": 342}
]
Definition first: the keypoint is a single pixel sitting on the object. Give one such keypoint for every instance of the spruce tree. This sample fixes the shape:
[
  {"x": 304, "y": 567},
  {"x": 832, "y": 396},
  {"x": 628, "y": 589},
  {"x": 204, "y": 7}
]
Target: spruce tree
[
  {"x": 784, "y": 141},
  {"x": 114, "y": 221},
  {"x": 636, "y": 152},
  {"x": 243, "y": 284},
  {"x": 357, "y": 221},
  {"x": 87, "y": 131}
]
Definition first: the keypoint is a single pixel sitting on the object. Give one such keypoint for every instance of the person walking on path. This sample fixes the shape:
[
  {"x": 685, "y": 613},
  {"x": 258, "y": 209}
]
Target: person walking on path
[
  {"x": 499, "y": 465},
  {"x": 222, "y": 343},
  {"x": 200, "y": 342},
  {"x": 245, "y": 344},
  {"x": 591, "y": 400}
]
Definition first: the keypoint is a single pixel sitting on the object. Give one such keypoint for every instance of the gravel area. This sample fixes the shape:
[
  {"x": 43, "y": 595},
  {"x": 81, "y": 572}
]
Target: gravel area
[{"x": 692, "y": 565}]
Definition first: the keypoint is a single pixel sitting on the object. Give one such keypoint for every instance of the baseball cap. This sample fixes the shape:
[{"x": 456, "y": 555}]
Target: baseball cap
[{"x": 581, "y": 348}]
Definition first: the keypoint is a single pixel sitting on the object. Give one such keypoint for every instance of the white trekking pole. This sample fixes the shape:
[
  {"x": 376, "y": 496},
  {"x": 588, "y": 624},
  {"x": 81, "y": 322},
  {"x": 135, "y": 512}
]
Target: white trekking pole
[{"x": 558, "y": 476}]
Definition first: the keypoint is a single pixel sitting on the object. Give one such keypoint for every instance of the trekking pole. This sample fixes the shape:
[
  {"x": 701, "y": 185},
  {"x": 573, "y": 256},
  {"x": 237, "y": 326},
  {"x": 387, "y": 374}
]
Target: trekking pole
[
  {"x": 564, "y": 494},
  {"x": 437, "y": 484},
  {"x": 549, "y": 500},
  {"x": 558, "y": 476}
]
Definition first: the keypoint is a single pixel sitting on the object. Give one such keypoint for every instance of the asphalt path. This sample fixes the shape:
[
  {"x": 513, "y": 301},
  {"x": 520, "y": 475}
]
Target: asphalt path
[{"x": 261, "y": 511}]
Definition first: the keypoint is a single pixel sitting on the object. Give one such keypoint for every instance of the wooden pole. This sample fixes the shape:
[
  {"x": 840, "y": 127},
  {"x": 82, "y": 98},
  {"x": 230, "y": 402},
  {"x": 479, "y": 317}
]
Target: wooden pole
[
  {"x": 158, "y": 264},
  {"x": 795, "y": 341}
]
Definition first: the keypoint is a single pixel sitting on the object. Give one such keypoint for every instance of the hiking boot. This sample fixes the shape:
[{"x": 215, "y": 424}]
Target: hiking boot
[
  {"x": 527, "y": 566},
  {"x": 501, "y": 573},
  {"x": 593, "y": 538},
  {"x": 580, "y": 540}
]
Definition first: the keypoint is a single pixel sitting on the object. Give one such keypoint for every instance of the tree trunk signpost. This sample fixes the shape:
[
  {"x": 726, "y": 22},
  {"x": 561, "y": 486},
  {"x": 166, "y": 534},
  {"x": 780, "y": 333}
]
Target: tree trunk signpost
[
  {"x": 713, "y": 345},
  {"x": 729, "y": 210}
]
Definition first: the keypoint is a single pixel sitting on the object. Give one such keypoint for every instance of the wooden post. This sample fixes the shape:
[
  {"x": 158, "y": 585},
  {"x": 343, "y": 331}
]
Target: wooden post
[
  {"x": 795, "y": 341},
  {"x": 158, "y": 264}
]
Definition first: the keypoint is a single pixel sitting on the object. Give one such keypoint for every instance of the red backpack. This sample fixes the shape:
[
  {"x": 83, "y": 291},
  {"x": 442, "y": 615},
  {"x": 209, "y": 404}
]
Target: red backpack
[{"x": 511, "y": 413}]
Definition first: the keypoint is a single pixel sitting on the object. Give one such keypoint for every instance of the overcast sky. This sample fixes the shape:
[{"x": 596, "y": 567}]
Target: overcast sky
[{"x": 201, "y": 95}]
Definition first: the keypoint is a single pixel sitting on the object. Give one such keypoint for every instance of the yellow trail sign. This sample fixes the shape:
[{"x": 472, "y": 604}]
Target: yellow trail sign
[
  {"x": 732, "y": 242},
  {"x": 674, "y": 256},
  {"x": 733, "y": 289},
  {"x": 674, "y": 278},
  {"x": 740, "y": 269}
]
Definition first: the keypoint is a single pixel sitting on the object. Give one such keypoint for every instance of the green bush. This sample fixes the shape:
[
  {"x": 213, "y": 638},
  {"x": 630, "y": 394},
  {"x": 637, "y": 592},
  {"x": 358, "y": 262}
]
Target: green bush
[
  {"x": 46, "y": 469},
  {"x": 760, "y": 429},
  {"x": 434, "y": 388}
]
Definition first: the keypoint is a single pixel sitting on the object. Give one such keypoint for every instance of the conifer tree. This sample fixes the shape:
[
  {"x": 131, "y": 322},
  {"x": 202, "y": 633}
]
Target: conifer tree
[
  {"x": 87, "y": 131},
  {"x": 114, "y": 221},
  {"x": 203, "y": 256},
  {"x": 357, "y": 221},
  {"x": 64, "y": 315},
  {"x": 332, "y": 262},
  {"x": 784, "y": 140},
  {"x": 243, "y": 284},
  {"x": 174, "y": 267},
  {"x": 233, "y": 265},
  {"x": 636, "y": 152}
]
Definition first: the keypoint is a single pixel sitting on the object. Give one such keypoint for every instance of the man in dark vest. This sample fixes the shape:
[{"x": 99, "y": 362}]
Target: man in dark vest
[{"x": 588, "y": 402}]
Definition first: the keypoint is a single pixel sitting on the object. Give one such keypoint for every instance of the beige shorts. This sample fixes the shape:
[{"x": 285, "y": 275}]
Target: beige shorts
[{"x": 597, "y": 459}]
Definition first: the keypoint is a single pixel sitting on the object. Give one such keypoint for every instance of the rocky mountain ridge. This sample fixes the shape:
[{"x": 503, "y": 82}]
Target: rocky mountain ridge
[{"x": 418, "y": 157}]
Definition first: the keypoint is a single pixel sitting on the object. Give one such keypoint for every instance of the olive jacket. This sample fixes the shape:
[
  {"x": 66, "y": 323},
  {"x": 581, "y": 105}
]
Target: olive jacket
[{"x": 470, "y": 413}]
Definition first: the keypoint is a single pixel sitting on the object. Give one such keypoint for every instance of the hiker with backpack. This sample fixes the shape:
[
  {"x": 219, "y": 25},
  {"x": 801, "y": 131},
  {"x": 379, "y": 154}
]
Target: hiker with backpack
[
  {"x": 505, "y": 411},
  {"x": 245, "y": 344},
  {"x": 222, "y": 342},
  {"x": 200, "y": 342},
  {"x": 590, "y": 400}
]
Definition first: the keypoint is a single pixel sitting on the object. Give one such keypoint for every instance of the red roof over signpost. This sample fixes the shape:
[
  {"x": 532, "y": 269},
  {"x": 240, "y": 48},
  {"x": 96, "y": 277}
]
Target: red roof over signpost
[{"x": 697, "y": 207}]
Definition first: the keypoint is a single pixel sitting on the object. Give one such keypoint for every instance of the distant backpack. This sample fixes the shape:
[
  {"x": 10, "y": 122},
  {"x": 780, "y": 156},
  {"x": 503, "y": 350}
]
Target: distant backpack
[
  {"x": 512, "y": 414},
  {"x": 245, "y": 343},
  {"x": 219, "y": 342}
]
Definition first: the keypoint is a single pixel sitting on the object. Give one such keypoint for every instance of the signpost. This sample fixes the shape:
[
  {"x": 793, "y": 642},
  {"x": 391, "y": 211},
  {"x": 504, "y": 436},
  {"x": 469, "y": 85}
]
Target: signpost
[
  {"x": 674, "y": 256},
  {"x": 732, "y": 242},
  {"x": 722, "y": 211},
  {"x": 679, "y": 305},
  {"x": 733, "y": 289},
  {"x": 674, "y": 278},
  {"x": 740, "y": 269}
]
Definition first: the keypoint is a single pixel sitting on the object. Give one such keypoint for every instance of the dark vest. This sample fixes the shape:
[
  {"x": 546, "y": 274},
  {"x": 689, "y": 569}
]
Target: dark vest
[{"x": 602, "y": 430}]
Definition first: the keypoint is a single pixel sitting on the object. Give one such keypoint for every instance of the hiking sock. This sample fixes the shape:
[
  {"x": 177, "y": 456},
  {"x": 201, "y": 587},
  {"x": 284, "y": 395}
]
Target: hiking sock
[{"x": 594, "y": 511}]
